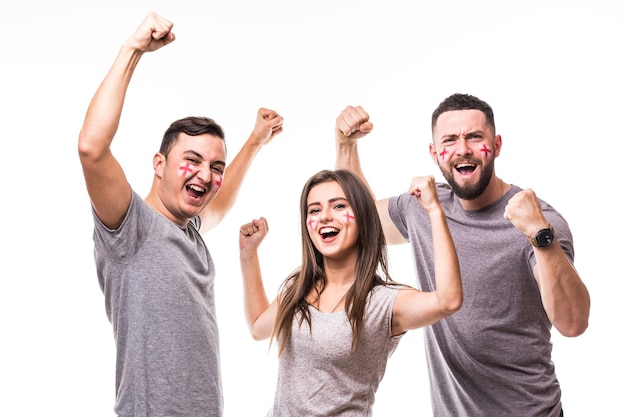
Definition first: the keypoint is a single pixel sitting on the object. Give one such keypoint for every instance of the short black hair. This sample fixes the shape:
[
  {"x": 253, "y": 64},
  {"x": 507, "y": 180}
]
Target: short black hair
[{"x": 464, "y": 102}]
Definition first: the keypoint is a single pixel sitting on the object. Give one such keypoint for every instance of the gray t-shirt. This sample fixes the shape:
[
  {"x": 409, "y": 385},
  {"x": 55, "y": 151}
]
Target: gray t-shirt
[
  {"x": 493, "y": 357},
  {"x": 157, "y": 279},
  {"x": 318, "y": 374}
]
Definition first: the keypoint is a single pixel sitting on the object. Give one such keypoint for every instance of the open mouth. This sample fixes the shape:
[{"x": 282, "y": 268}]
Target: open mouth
[
  {"x": 328, "y": 232},
  {"x": 465, "y": 168},
  {"x": 196, "y": 191}
]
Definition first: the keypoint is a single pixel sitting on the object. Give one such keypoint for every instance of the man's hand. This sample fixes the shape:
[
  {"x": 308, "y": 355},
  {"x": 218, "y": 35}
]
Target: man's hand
[
  {"x": 153, "y": 33},
  {"x": 524, "y": 212},
  {"x": 268, "y": 124}
]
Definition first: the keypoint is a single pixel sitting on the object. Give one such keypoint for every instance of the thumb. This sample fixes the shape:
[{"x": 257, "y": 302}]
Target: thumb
[{"x": 366, "y": 127}]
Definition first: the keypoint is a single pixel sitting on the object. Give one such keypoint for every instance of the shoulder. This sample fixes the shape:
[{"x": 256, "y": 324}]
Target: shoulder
[{"x": 385, "y": 292}]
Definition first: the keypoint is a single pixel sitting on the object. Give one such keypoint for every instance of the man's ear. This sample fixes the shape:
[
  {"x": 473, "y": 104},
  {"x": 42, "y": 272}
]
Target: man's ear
[
  {"x": 497, "y": 144},
  {"x": 158, "y": 163},
  {"x": 433, "y": 153}
]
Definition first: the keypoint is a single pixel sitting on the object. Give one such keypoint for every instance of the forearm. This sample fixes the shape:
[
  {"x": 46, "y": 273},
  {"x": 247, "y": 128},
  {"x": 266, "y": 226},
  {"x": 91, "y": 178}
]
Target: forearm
[
  {"x": 347, "y": 157},
  {"x": 105, "y": 109},
  {"x": 447, "y": 270},
  {"x": 233, "y": 179},
  {"x": 254, "y": 295},
  {"x": 565, "y": 297}
]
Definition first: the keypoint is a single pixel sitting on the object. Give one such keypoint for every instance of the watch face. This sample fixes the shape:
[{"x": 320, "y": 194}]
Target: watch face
[{"x": 544, "y": 238}]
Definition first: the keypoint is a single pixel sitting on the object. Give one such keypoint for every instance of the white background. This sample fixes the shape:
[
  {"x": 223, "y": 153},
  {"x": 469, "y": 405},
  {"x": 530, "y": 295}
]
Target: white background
[{"x": 553, "y": 72}]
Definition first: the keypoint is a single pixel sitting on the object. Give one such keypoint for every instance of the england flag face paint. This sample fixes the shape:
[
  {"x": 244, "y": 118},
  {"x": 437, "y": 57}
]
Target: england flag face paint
[
  {"x": 312, "y": 222},
  {"x": 485, "y": 150},
  {"x": 217, "y": 182},
  {"x": 185, "y": 170},
  {"x": 444, "y": 155}
]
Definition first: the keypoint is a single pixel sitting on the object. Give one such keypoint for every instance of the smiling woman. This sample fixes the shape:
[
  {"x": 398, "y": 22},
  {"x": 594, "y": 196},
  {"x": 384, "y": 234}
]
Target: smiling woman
[{"x": 342, "y": 351}]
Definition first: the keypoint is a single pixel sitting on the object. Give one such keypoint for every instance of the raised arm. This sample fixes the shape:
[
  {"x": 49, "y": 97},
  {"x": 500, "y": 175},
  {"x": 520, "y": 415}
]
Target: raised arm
[
  {"x": 565, "y": 297},
  {"x": 106, "y": 182},
  {"x": 268, "y": 124},
  {"x": 413, "y": 308},
  {"x": 352, "y": 124},
  {"x": 260, "y": 314}
]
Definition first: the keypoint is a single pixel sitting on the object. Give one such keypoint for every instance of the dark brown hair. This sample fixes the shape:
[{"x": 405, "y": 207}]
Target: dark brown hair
[
  {"x": 192, "y": 126},
  {"x": 371, "y": 268},
  {"x": 464, "y": 102}
]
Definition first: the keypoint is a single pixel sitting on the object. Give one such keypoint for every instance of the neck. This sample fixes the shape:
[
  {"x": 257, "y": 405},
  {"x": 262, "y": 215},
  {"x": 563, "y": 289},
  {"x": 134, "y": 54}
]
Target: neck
[
  {"x": 340, "y": 272},
  {"x": 494, "y": 192},
  {"x": 153, "y": 200}
]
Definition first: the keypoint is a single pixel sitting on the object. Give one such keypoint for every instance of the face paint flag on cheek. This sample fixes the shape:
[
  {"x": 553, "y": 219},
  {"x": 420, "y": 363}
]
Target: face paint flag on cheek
[
  {"x": 349, "y": 216},
  {"x": 218, "y": 183},
  {"x": 443, "y": 154},
  {"x": 485, "y": 150},
  {"x": 311, "y": 224},
  {"x": 185, "y": 170}
]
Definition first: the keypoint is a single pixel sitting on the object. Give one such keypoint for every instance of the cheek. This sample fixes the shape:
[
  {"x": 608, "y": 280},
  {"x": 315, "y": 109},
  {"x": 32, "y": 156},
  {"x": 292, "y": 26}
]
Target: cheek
[
  {"x": 185, "y": 170},
  {"x": 485, "y": 150},
  {"x": 349, "y": 217},
  {"x": 311, "y": 223},
  {"x": 217, "y": 182},
  {"x": 444, "y": 155}
]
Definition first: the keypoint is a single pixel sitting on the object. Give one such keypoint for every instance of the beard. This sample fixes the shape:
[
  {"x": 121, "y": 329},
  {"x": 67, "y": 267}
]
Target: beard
[{"x": 470, "y": 191}]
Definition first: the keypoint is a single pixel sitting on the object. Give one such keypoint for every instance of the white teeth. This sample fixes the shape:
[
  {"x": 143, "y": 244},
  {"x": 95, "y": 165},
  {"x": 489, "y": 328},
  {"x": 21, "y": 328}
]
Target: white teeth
[
  {"x": 196, "y": 188},
  {"x": 464, "y": 165},
  {"x": 328, "y": 230}
]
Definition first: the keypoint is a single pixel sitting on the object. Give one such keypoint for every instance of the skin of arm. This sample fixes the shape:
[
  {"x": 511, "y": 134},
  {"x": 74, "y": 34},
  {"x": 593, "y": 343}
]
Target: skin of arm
[
  {"x": 268, "y": 124},
  {"x": 352, "y": 124},
  {"x": 565, "y": 297},
  {"x": 413, "y": 308},
  {"x": 260, "y": 314},
  {"x": 106, "y": 182}
]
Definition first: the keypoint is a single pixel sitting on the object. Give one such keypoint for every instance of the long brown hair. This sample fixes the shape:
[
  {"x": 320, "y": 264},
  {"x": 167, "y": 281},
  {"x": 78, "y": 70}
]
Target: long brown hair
[{"x": 371, "y": 268}]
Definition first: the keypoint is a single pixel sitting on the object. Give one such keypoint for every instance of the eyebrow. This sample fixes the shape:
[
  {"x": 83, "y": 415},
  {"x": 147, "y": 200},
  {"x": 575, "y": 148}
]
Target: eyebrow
[
  {"x": 332, "y": 200},
  {"x": 200, "y": 156},
  {"x": 470, "y": 133}
]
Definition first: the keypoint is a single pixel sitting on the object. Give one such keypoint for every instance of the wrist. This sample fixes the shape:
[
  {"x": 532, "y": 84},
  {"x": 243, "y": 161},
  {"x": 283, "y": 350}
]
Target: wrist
[{"x": 543, "y": 238}]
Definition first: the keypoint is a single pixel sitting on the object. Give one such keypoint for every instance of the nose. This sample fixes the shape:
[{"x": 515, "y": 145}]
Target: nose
[
  {"x": 204, "y": 173},
  {"x": 325, "y": 214},
  {"x": 462, "y": 147}
]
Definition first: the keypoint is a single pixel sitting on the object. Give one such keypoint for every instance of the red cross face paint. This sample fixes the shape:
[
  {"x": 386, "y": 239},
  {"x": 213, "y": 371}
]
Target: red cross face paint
[
  {"x": 485, "y": 150},
  {"x": 349, "y": 217},
  {"x": 185, "y": 170},
  {"x": 312, "y": 223},
  {"x": 217, "y": 182},
  {"x": 444, "y": 155}
]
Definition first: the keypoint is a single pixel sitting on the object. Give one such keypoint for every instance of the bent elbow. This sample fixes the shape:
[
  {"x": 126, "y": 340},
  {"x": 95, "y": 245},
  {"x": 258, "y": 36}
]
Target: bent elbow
[
  {"x": 453, "y": 308},
  {"x": 575, "y": 329},
  {"x": 258, "y": 335},
  {"x": 84, "y": 149},
  {"x": 453, "y": 305},
  {"x": 90, "y": 146}
]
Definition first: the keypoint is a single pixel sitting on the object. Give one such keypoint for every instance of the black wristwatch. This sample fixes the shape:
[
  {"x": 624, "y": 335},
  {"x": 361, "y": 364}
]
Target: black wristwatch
[{"x": 543, "y": 238}]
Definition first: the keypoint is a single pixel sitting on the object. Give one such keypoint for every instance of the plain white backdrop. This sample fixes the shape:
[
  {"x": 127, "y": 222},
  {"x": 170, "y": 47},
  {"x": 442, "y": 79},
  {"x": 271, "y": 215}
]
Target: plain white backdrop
[{"x": 552, "y": 70}]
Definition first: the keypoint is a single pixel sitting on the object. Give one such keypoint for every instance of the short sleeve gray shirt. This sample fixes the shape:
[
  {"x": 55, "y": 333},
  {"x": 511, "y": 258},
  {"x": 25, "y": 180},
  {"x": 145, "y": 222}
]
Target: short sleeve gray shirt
[
  {"x": 493, "y": 357},
  {"x": 158, "y": 279},
  {"x": 319, "y": 375}
]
